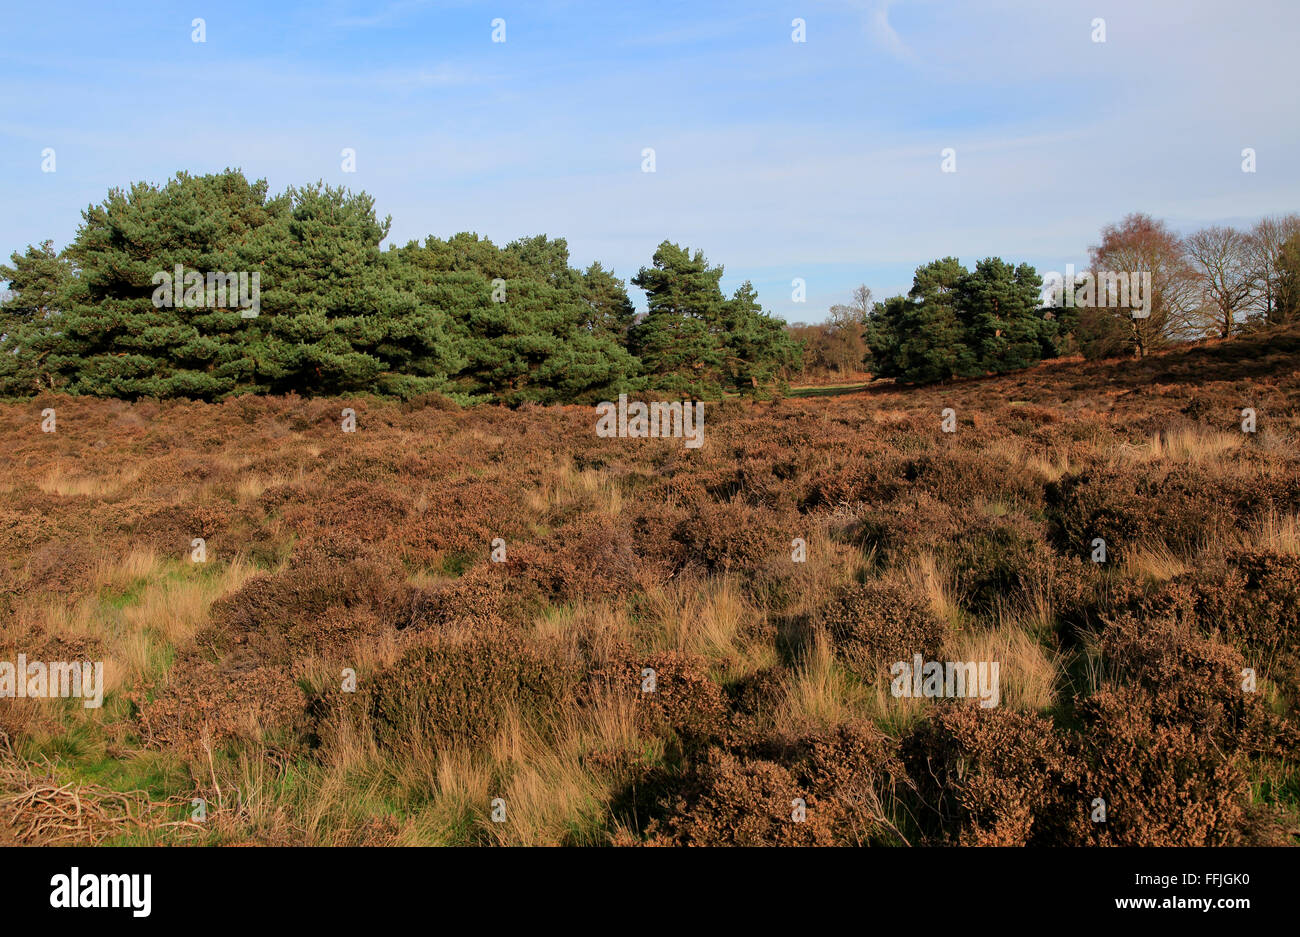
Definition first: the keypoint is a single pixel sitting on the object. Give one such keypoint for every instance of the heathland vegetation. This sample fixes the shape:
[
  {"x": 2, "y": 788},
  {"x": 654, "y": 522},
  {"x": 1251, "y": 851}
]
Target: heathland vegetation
[{"x": 439, "y": 628}]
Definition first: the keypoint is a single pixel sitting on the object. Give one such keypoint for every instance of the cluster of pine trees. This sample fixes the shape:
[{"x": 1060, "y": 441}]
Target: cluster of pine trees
[
  {"x": 956, "y": 322},
  {"x": 1216, "y": 282},
  {"x": 338, "y": 315}
]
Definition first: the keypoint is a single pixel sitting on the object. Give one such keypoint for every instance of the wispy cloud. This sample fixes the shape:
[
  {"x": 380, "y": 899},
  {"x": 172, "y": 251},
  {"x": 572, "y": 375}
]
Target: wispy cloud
[{"x": 885, "y": 34}]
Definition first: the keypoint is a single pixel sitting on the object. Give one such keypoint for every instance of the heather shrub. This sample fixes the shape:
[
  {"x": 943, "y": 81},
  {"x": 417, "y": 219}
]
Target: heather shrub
[
  {"x": 752, "y": 698},
  {"x": 654, "y": 523},
  {"x": 745, "y": 796},
  {"x": 1178, "y": 507},
  {"x": 1254, "y": 604},
  {"x": 1192, "y": 681},
  {"x": 856, "y": 777},
  {"x": 278, "y": 616},
  {"x": 355, "y": 512},
  {"x": 906, "y": 526},
  {"x": 214, "y": 703},
  {"x": 732, "y": 536},
  {"x": 757, "y": 482},
  {"x": 488, "y": 593},
  {"x": 875, "y": 623},
  {"x": 1164, "y": 783},
  {"x": 957, "y": 475},
  {"x": 996, "y": 559},
  {"x": 993, "y": 777},
  {"x": 430, "y": 401},
  {"x": 1081, "y": 592},
  {"x": 61, "y": 565},
  {"x": 171, "y": 529},
  {"x": 524, "y": 678},
  {"x": 465, "y": 516},
  {"x": 730, "y": 801},
  {"x": 685, "y": 701},
  {"x": 871, "y": 476},
  {"x": 586, "y": 559},
  {"x": 459, "y": 685}
]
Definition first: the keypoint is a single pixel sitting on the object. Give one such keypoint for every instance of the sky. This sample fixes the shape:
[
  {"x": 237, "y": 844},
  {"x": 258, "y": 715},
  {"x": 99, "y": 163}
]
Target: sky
[{"x": 820, "y": 160}]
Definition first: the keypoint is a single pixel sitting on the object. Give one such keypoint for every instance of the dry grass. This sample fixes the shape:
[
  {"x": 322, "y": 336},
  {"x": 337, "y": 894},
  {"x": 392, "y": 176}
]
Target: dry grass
[
  {"x": 1154, "y": 561},
  {"x": 1050, "y": 464},
  {"x": 704, "y": 619},
  {"x": 1028, "y": 673},
  {"x": 928, "y": 577},
  {"x": 820, "y": 693},
  {"x": 60, "y": 481},
  {"x": 1186, "y": 445},
  {"x": 121, "y": 573},
  {"x": 549, "y": 792},
  {"x": 565, "y": 486},
  {"x": 1275, "y": 532}
]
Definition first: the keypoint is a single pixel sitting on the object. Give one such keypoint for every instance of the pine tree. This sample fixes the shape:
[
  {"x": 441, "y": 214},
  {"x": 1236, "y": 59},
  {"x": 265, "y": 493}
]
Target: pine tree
[
  {"x": 681, "y": 340},
  {"x": 329, "y": 306},
  {"x": 521, "y": 320},
  {"x": 917, "y": 338},
  {"x": 117, "y": 335},
  {"x": 958, "y": 323},
  {"x": 998, "y": 308},
  {"x": 610, "y": 311},
  {"x": 1287, "y": 307},
  {"x": 37, "y": 280},
  {"x": 759, "y": 351}
]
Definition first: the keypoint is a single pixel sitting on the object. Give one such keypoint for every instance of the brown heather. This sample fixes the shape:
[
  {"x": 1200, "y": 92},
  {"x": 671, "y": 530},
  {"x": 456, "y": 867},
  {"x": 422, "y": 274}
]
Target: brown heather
[{"x": 330, "y": 554}]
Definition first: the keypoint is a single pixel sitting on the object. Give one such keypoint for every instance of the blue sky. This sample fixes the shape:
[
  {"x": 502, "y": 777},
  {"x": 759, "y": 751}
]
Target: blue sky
[{"x": 818, "y": 160}]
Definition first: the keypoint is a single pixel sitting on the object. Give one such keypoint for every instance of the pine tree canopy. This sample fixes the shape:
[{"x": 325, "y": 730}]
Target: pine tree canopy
[
  {"x": 960, "y": 323},
  {"x": 209, "y": 286}
]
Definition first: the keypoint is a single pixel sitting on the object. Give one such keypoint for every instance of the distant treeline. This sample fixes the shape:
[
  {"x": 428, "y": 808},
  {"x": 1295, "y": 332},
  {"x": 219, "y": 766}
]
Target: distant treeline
[
  {"x": 956, "y": 322},
  {"x": 208, "y": 287}
]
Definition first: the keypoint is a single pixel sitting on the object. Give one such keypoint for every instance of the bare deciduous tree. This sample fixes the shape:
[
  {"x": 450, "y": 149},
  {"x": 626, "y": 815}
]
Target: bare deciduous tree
[
  {"x": 1265, "y": 244},
  {"x": 854, "y": 312},
  {"x": 1286, "y": 306},
  {"x": 1141, "y": 244},
  {"x": 1225, "y": 273}
]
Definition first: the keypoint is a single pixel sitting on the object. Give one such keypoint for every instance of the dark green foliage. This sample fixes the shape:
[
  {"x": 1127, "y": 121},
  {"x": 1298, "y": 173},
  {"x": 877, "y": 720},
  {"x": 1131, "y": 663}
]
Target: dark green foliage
[
  {"x": 997, "y": 305},
  {"x": 333, "y": 320},
  {"x": 36, "y": 281},
  {"x": 112, "y": 340},
  {"x": 758, "y": 351},
  {"x": 610, "y": 312},
  {"x": 960, "y": 323},
  {"x": 695, "y": 341},
  {"x": 146, "y": 302},
  {"x": 680, "y": 341},
  {"x": 525, "y": 325}
]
